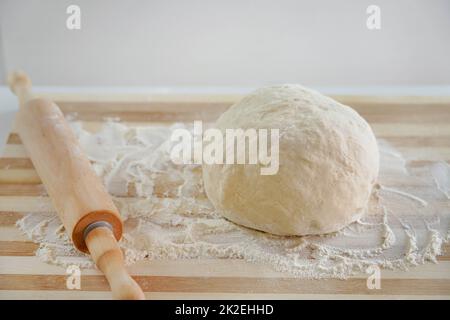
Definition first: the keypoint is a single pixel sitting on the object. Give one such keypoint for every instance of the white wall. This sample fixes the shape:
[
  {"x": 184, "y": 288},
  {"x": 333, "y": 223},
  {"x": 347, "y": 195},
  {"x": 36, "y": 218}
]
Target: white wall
[
  {"x": 228, "y": 43},
  {"x": 2, "y": 61}
]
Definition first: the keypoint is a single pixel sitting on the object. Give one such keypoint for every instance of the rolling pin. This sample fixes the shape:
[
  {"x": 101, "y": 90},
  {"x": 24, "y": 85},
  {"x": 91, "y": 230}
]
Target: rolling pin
[{"x": 77, "y": 193}]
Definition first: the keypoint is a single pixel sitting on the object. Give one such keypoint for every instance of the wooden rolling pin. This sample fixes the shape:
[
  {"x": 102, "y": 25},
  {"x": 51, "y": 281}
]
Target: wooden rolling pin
[{"x": 85, "y": 208}]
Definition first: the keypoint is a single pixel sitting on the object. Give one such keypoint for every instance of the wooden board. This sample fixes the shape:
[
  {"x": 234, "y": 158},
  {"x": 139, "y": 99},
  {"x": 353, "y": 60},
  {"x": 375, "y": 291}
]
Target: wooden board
[{"x": 418, "y": 126}]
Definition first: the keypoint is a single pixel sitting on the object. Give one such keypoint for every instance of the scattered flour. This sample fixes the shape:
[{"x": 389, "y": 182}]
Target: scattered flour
[
  {"x": 167, "y": 215},
  {"x": 441, "y": 176},
  {"x": 405, "y": 194}
]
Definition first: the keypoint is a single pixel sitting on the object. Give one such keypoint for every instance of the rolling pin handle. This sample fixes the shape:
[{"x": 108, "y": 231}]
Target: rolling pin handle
[{"x": 108, "y": 257}]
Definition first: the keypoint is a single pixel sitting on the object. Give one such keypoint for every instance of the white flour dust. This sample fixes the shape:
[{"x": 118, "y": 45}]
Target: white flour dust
[{"x": 167, "y": 215}]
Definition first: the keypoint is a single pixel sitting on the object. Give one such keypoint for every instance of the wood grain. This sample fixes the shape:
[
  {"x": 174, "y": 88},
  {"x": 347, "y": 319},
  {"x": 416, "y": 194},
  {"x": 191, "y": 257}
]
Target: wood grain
[
  {"x": 237, "y": 285},
  {"x": 418, "y": 126}
]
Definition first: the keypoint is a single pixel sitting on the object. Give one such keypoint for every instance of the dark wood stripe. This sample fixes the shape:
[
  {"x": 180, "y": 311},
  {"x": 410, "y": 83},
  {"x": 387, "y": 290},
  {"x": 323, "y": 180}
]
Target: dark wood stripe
[
  {"x": 380, "y": 108},
  {"x": 17, "y": 248},
  {"x": 145, "y": 111},
  {"x": 81, "y": 107},
  {"x": 428, "y": 118},
  {"x": 149, "y": 117},
  {"x": 9, "y": 218},
  {"x": 445, "y": 252},
  {"x": 235, "y": 285},
  {"x": 14, "y": 139},
  {"x": 154, "y": 116},
  {"x": 422, "y": 163},
  {"x": 189, "y": 111}
]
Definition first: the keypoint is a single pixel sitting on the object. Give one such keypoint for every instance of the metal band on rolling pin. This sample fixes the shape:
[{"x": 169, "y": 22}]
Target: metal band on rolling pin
[{"x": 94, "y": 225}]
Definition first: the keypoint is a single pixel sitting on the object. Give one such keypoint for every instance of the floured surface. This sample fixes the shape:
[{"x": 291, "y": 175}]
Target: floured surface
[{"x": 167, "y": 215}]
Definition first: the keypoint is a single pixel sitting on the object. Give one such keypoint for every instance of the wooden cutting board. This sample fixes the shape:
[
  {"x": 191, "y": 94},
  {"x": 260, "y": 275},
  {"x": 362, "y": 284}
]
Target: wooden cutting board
[{"x": 418, "y": 126}]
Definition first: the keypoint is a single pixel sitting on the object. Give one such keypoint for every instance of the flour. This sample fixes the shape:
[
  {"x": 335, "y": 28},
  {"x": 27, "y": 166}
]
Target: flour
[
  {"x": 406, "y": 194},
  {"x": 167, "y": 215},
  {"x": 441, "y": 176}
]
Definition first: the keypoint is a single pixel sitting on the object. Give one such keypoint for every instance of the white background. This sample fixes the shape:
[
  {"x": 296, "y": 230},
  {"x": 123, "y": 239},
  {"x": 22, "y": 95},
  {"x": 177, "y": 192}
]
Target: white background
[{"x": 229, "y": 43}]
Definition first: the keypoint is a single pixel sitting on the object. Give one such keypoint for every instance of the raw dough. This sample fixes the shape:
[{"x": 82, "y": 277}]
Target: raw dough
[{"x": 328, "y": 157}]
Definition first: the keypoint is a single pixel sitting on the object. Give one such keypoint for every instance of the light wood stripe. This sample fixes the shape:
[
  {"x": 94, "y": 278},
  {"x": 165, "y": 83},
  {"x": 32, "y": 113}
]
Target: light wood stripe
[
  {"x": 385, "y": 130},
  {"x": 17, "y": 151},
  {"x": 155, "y": 116},
  {"x": 58, "y": 295},
  {"x": 211, "y": 103},
  {"x": 377, "y": 110},
  {"x": 38, "y": 190},
  {"x": 21, "y": 180},
  {"x": 426, "y": 153},
  {"x": 95, "y": 126},
  {"x": 34, "y": 188},
  {"x": 14, "y": 151},
  {"x": 145, "y": 107},
  {"x": 43, "y": 204},
  {"x": 406, "y": 102},
  {"x": 11, "y": 177},
  {"x": 411, "y": 142},
  {"x": 25, "y": 204},
  {"x": 230, "y": 97},
  {"x": 17, "y": 248},
  {"x": 207, "y": 267},
  {"x": 7, "y": 248},
  {"x": 23, "y": 176},
  {"x": 15, "y": 170},
  {"x": 15, "y": 163},
  {"x": 392, "y": 129},
  {"x": 11, "y": 233}
]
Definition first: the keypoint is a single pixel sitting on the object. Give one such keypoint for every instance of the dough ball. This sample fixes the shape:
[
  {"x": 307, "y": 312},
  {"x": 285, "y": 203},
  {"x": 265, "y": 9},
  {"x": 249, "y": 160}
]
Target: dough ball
[{"x": 328, "y": 164}]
